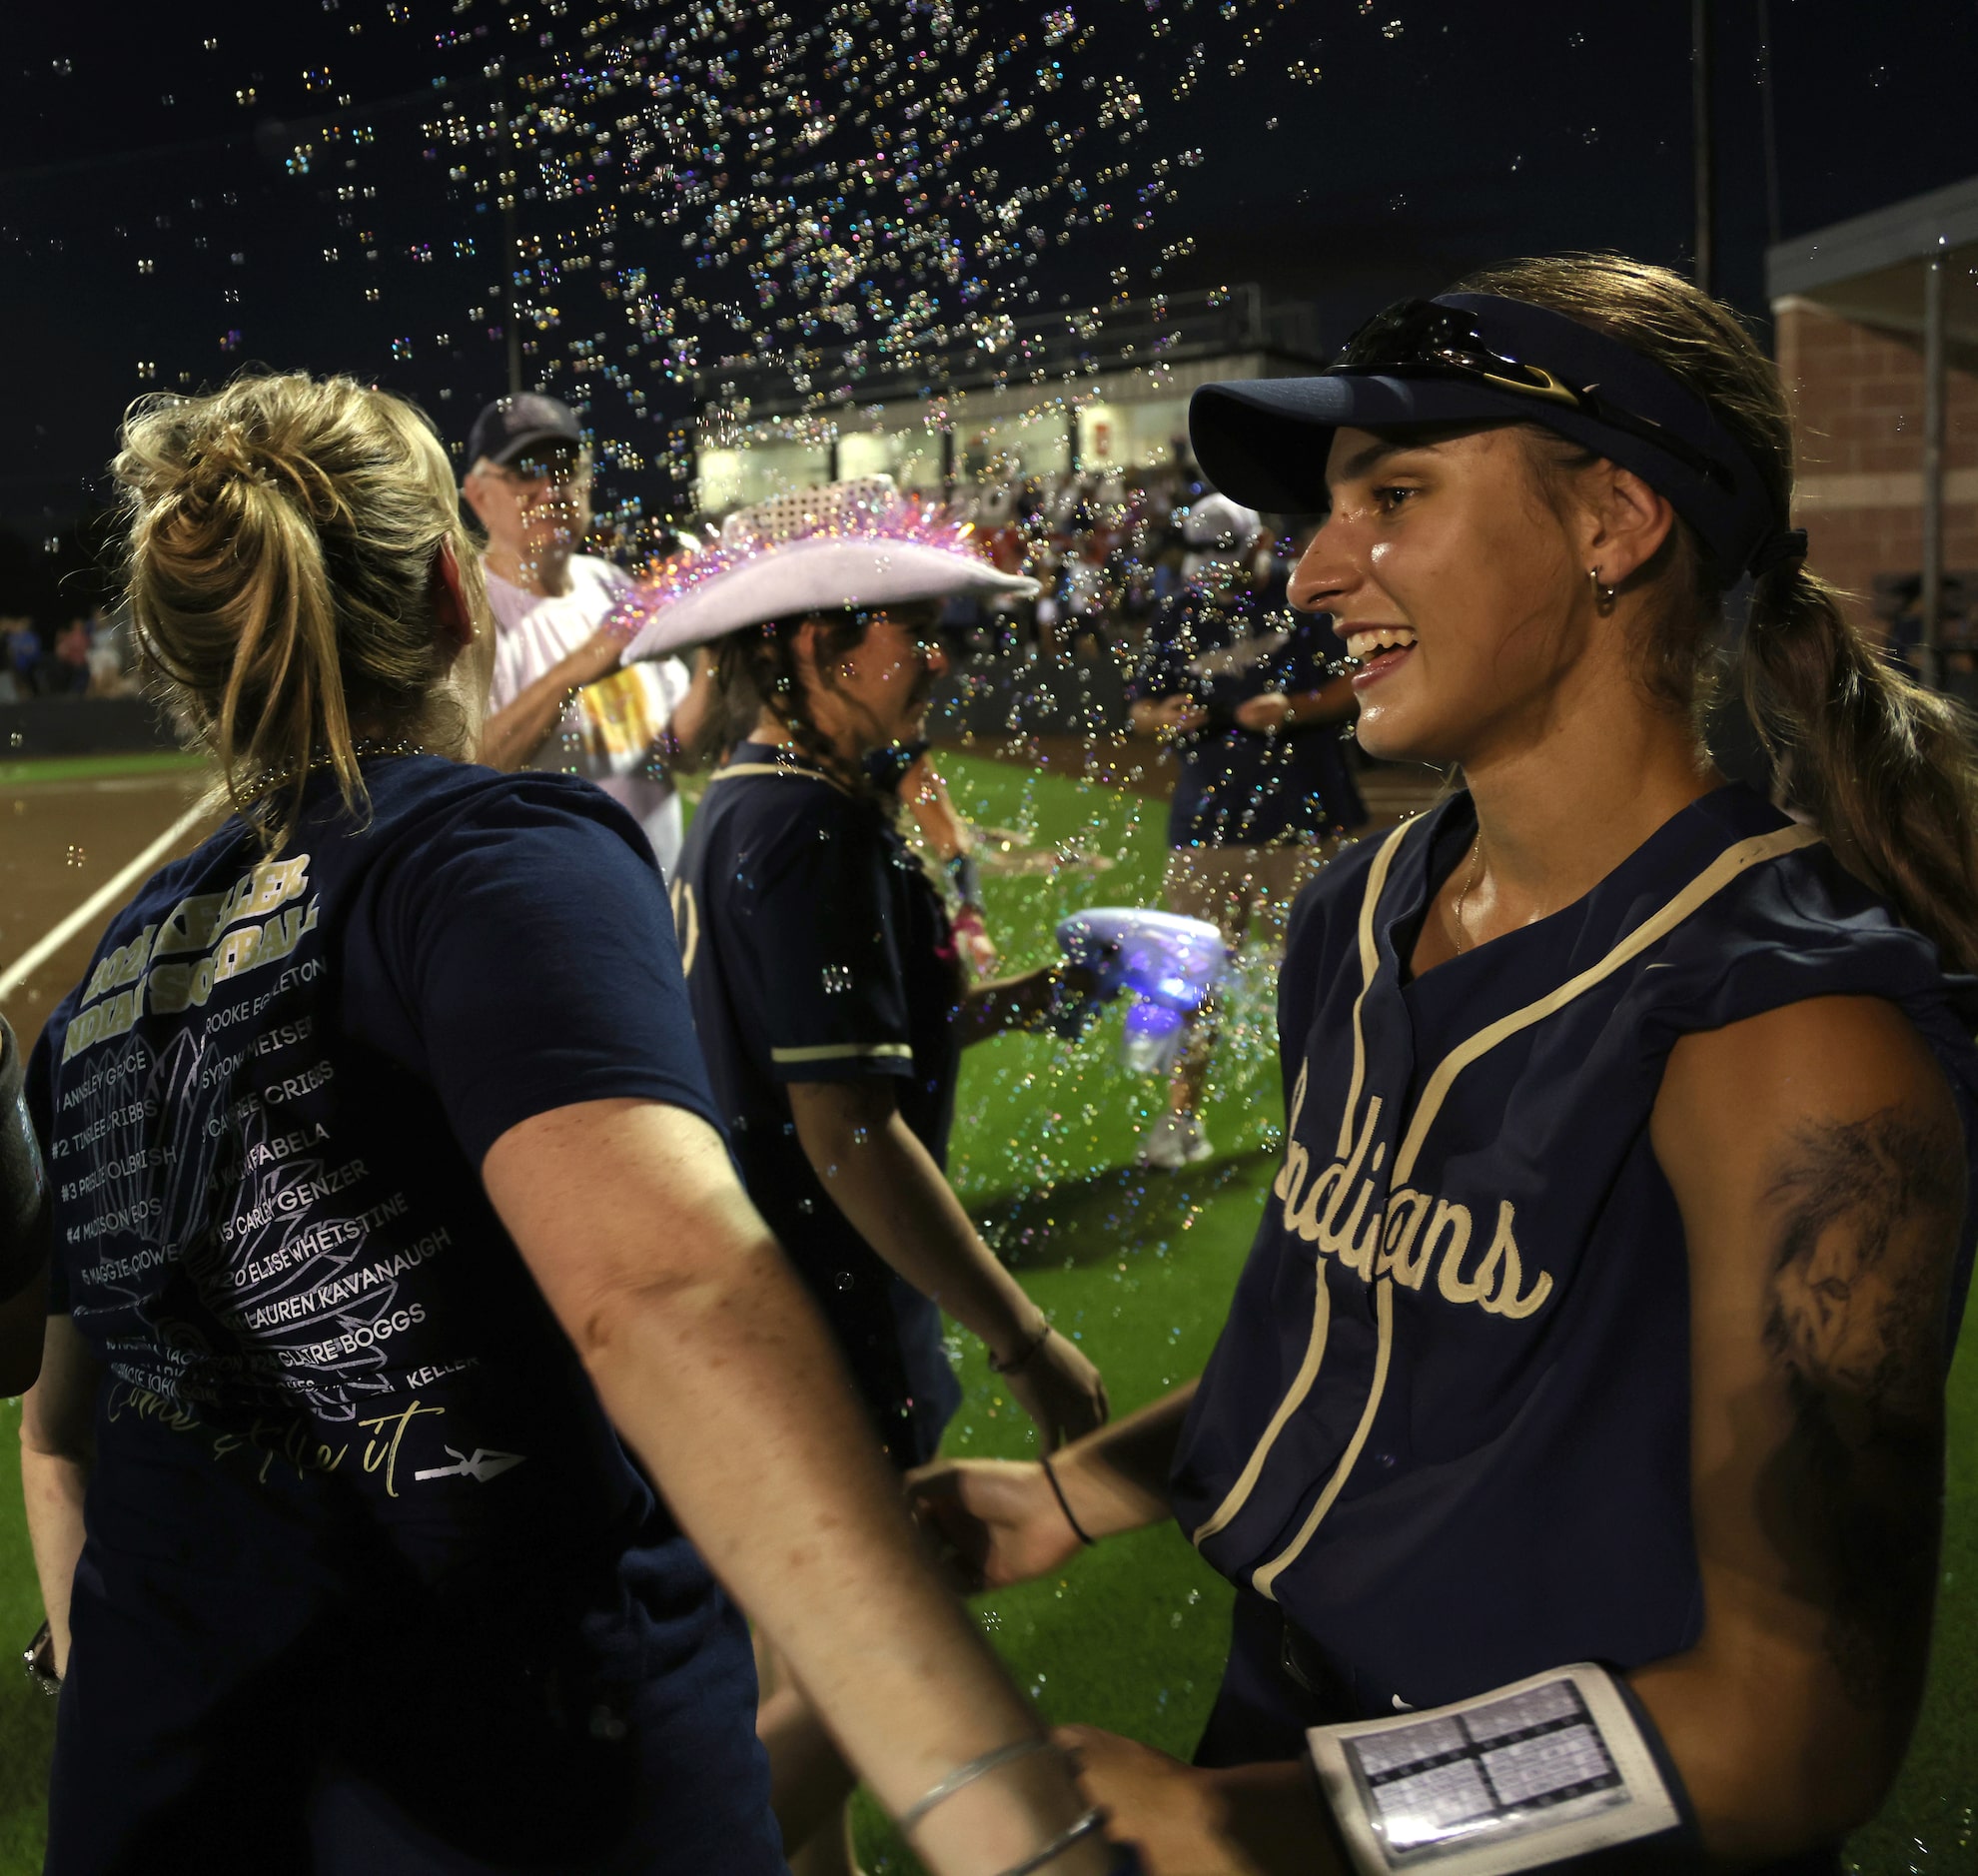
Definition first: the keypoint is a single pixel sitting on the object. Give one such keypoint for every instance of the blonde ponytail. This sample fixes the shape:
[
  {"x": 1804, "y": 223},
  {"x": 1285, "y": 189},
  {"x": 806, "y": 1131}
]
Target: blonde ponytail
[{"x": 280, "y": 552}]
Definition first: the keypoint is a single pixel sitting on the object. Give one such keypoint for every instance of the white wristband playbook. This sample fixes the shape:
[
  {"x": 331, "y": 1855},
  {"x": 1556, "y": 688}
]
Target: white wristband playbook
[{"x": 1541, "y": 1773}]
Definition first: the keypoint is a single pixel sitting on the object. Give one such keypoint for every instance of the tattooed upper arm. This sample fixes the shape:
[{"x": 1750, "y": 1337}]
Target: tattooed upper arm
[
  {"x": 1818, "y": 1163},
  {"x": 1866, "y": 1215}
]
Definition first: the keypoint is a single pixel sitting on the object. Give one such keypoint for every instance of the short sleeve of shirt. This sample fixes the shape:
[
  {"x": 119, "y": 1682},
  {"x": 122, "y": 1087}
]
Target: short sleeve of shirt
[
  {"x": 815, "y": 929},
  {"x": 520, "y": 956}
]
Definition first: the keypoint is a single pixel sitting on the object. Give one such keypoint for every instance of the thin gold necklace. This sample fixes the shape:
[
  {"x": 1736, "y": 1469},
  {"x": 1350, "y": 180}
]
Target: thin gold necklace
[{"x": 1461, "y": 931}]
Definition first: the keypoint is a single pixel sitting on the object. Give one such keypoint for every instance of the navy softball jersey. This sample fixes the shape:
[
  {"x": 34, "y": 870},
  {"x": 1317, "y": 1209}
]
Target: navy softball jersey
[
  {"x": 369, "y": 1582},
  {"x": 1446, "y": 1431},
  {"x": 817, "y": 950}
]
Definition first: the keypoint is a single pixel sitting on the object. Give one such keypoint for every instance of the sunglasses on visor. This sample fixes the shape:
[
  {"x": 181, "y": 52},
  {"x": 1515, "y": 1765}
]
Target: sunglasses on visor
[{"x": 1418, "y": 337}]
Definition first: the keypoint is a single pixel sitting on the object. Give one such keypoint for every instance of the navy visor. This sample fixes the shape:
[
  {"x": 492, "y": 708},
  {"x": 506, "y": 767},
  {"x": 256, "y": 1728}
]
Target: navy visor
[{"x": 1478, "y": 359}]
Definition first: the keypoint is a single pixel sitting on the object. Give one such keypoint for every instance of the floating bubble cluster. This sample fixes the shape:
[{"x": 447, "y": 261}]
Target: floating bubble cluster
[{"x": 731, "y": 222}]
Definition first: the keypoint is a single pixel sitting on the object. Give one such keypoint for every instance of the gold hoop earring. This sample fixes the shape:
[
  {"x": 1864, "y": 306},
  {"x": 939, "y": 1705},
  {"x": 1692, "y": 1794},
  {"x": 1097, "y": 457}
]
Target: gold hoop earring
[{"x": 1603, "y": 596}]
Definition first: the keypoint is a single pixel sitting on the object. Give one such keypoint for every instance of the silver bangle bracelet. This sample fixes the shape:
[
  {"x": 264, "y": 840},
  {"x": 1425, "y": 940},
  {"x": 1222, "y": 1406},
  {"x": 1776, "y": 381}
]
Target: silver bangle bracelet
[
  {"x": 964, "y": 1775},
  {"x": 1093, "y": 1820}
]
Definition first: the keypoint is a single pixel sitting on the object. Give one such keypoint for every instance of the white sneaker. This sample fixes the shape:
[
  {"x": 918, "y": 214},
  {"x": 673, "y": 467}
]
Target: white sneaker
[{"x": 1174, "y": 1141}]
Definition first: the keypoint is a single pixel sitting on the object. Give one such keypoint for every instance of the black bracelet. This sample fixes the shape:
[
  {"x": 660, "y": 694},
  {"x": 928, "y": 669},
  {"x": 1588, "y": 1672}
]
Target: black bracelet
[
  {"x": 1064, "y": 1503},
  {"x": 1024, "y": 1354}
]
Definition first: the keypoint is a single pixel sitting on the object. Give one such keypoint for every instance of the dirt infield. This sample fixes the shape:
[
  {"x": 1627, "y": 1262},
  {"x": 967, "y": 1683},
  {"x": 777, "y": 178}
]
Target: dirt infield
[{"x": 67, "y": 829}]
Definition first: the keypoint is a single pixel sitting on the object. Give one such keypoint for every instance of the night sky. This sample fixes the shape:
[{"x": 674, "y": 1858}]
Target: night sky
[{"x": 151, "y": 214}]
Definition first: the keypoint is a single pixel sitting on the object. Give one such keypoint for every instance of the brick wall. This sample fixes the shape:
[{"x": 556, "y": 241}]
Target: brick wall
[{"x": 1857, "y": 398}]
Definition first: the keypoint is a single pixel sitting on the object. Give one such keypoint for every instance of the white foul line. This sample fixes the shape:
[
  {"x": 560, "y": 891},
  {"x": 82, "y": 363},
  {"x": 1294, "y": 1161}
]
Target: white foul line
[{"x": 31, "y": 960}]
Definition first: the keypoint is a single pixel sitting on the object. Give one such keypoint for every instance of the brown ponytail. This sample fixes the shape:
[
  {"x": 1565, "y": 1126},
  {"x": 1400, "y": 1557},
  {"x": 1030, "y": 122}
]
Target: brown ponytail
[
  {"x": 280, "y": 549},
  {"x": 1885, "y": 766}
]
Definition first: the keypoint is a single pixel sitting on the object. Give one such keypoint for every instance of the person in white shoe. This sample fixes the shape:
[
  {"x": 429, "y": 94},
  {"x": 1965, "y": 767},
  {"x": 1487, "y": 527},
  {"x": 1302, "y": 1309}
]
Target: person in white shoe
[
  {"x": 1238, "y": 685},
  {"x": 559, "y": 698}
]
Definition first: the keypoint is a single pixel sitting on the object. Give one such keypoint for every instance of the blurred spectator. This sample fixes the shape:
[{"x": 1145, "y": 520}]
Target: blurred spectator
[
  {"x": 1087, "y": 596},
  {"x": 111, "y": 655},
  {"x": 23, "y": 648},
  {"x": 559, "y": 697},
  {"x": 1245, "y": 692},
  {"x": 63, "y": 669}
]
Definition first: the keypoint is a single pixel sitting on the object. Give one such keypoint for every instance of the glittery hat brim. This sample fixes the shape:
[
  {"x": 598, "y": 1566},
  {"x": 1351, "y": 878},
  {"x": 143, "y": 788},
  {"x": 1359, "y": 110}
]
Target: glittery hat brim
[{"x": 815, "y": 576}]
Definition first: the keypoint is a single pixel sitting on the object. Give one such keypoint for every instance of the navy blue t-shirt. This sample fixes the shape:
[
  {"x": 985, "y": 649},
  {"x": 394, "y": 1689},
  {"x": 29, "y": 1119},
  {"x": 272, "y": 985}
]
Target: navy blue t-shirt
[
  {"x": 1240, "y": 788},
  {"x": 266, "y": 1109},
  {"x": 1446, "y": 1429},
  {"x": 817, "y": 949}
]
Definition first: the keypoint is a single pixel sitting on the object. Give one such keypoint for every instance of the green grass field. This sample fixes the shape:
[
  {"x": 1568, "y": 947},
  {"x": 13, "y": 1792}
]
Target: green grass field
[
  {"x": 1140, "y": 1268},
  {"x": 61, "y": 768}
]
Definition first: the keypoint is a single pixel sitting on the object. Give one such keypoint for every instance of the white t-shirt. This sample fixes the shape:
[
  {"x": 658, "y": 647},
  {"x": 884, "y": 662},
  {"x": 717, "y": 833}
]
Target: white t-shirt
[{"x": 608, "y": 731}]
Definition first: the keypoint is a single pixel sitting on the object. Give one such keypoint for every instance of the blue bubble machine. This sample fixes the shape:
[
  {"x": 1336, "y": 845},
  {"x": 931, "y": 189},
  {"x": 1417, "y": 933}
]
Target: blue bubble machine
[{"x": 1169, "y": 963}]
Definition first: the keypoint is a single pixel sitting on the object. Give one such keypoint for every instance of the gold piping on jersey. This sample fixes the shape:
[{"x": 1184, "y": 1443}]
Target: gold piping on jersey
[
  {"x": 1706, "y": 885},
  {"x": 1370, "y": 966},
  {"x": 1315, "y": 1346},
  {"x": 846, "y": 1051},
  {"x": 686, "y": 923},
  {"x": 1308, "y": 1373},
  {"x": 1497, "y": 1283},
  {"x": 1261, "y": 1581},
  {"x": 789, "y": 771},
  {"x": 1238, "y": 1494}
]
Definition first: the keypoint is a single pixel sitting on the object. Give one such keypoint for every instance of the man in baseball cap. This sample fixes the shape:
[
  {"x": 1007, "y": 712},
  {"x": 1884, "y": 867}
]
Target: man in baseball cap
[
  {"x": 529, "y": 484},
  {"x": 517, "y": 426}
]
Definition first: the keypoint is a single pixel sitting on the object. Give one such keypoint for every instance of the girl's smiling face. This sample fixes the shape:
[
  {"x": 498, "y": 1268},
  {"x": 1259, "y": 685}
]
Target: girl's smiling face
[{"x": 1460, "y": 588}]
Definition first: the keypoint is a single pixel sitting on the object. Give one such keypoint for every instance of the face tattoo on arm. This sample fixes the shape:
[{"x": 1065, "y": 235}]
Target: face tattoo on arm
[{"x": 1856, "y": 1328}]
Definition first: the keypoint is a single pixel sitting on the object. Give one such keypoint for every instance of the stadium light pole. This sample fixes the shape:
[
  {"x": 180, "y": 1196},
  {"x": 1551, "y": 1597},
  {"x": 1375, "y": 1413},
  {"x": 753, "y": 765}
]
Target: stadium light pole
[
  {"x": 1701, "y": 12},
  {"x": 1769, "y": 125},
  {"x": 1933, "y": 466}
]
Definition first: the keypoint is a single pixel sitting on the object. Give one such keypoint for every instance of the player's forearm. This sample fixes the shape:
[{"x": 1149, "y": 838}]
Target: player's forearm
[
  {"x": 892, "y": 1193},
  {"x": 1267, "y": 1820},
  {"x": 717, "y": 1367},
  {"x": 926, "y": 795},
  {"x": 514, "y": 733},
  {"x": 1116, "y": 1479},
  {"x": 1775, "y": 1757},
  {"x": 52, "y": 1486},
  {"x": 730, "y": 1391},
  {"x": 1009, "y": 1003}
]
